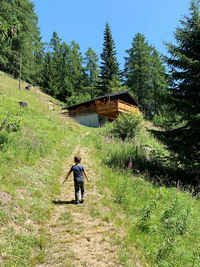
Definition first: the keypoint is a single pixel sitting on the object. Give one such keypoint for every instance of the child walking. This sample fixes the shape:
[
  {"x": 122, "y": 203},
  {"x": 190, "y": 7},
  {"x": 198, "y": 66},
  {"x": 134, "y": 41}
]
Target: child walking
[{"x": 79, "y": 173}]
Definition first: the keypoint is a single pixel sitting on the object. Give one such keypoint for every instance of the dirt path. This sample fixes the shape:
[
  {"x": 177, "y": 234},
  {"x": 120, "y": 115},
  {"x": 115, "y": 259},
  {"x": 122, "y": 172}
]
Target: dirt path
[{"x": 78, "y": 236}]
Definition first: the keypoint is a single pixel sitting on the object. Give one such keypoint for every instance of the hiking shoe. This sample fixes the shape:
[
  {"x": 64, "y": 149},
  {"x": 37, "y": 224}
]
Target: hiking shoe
[
  {"x": 82, "y": 199},
  {"x": 76, "y": 202}
]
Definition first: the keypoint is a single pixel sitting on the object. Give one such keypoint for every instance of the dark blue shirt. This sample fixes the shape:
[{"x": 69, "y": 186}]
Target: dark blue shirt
[{"x": 78, "y": 172}]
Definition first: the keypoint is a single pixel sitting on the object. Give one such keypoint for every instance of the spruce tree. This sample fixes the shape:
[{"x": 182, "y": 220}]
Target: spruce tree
[
  {"x": 7, "y": 21},
  {"x": 184, "y": 62},
  {"x": 47, "y": 75},
  {"x": 61, "y": 54},
  {"x": 51, "y": 67},
  {"x": 77, "y": 73},
  {"x": 137, "y": 69},
  {"x": 63, "y": 74},
  {"x": 20, "y": 20},
  {"x": 91, "y": 61},
  {"x": 159, "y": 85},
  {"x": 145, "y": 75},
  {"x": 109, "y": 69},
  {"x": 56, "y": 68}
]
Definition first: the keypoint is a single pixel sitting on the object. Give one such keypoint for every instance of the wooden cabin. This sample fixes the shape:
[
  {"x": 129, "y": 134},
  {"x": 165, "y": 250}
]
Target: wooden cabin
[{"x": 96, "y": 112}]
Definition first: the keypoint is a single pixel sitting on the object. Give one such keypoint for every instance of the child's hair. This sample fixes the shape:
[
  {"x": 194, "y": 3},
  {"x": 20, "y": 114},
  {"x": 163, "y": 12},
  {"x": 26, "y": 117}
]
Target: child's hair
[{"x": 77, "y": 159}]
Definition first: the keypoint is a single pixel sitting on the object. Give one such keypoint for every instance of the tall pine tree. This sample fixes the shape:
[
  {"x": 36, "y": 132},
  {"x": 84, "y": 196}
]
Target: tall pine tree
[
  {"x": 77, "y": 72},
  {"x": 47, "y": 75},
  {"x": 184, "y": 61},
  {"x": 159, "y": 85},
  {"x": 109, "y": 69},
  {"x": 25, "y": 43},
  {"x": 61, "y": 56},
  {"x": 91, "y": 61},
  {"x": 56, "y": 73},
  {"x": 137, "y": 69},
  {"x": 145, "y": 75}
]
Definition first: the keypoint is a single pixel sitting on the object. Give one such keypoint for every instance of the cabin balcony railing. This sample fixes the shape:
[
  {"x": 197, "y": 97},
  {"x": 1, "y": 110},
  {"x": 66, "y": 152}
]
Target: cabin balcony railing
[
  {"x": 115, "y": 106},
  {"x": 82, "y": 111},
  {"x": 104, "y": 108},
  {"x": 112, "y": 108},
  {"x": 126, "y": 107}
]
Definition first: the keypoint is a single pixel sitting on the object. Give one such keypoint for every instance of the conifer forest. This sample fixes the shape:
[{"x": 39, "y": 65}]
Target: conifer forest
[{"x": 166, "y": 86}]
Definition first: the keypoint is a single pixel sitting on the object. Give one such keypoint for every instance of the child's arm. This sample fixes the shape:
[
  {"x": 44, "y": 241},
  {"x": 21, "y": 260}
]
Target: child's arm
[
  {"x": 86, "y": 176},
  {"x": 67, "y": 176}
]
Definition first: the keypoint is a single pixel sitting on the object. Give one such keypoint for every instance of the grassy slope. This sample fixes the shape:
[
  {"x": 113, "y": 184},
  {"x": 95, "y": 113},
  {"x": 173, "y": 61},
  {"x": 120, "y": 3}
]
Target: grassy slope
[
  {"x": 31, "y": 161},
  {"x": 162, "y": 225}
]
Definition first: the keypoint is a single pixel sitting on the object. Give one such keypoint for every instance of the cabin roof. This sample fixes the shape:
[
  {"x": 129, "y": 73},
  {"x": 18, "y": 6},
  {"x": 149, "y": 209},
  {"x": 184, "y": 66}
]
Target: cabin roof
[{"x": 122, "y": 95}]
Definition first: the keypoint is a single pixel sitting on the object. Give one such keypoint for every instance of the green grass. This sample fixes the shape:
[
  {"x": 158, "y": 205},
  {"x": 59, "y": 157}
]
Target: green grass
[
  {"x": 159, "y": 226},
  {"x": 162, "y": 224},
  {"x": 33, "y": 146},
  {"x": 142, "y": 151}
]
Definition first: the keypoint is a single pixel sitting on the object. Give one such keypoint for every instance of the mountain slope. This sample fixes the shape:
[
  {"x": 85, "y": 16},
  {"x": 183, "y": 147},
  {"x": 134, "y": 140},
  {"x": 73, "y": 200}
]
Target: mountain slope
[
  {"x": 125, "y": 221},
  {"x": 34, "y": 141},
  {"x": 37, "y": 148}
]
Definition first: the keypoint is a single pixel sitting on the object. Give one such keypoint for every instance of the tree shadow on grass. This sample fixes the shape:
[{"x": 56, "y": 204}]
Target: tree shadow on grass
[
  {"x": 180, "y": 166},
  {"x": 171, "y": 138},
  {"x": 181, "y": 140}
]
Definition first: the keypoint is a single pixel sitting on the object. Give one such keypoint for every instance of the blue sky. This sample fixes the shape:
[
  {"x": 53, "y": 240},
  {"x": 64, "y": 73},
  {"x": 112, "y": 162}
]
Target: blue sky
[{"x": 84, "y": 21}]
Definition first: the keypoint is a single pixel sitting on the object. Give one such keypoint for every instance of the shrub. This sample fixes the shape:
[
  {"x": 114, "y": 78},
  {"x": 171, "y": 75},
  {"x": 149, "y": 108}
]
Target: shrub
[
  {"x": 13, "y": 121},
  {"x": 3, "y": 139},
  {"x": 127, "y": 125}
]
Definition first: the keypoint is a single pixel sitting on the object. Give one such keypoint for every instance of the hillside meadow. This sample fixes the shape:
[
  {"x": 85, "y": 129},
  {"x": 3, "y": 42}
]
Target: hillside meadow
[{"x": 154, "y": 225}]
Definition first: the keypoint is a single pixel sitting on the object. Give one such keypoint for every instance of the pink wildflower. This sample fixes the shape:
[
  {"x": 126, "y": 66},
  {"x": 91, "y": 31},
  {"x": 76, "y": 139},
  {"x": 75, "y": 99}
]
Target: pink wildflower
[{"x": 130, "y": 165}]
